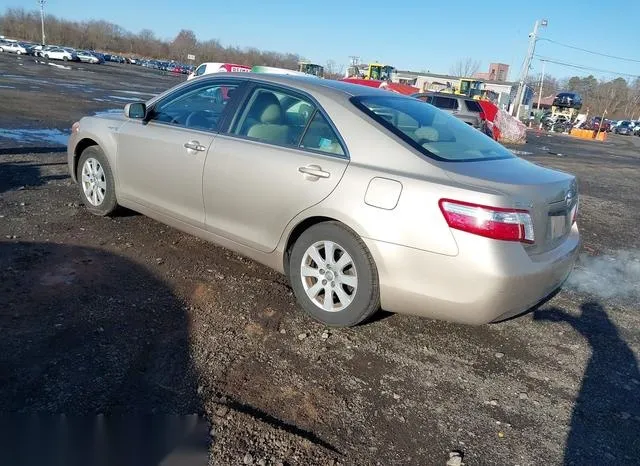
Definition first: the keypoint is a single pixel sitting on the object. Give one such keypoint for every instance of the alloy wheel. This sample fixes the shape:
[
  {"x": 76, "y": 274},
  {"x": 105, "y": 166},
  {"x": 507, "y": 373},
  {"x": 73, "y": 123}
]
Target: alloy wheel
[
  {"x": 94, "y": 182},
  {"x": 329, "y": 276}
]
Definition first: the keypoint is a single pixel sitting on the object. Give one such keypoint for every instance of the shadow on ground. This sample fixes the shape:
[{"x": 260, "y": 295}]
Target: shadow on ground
[
  {"x": 14, "y": 175},
  {"x": 605, "y": 422},
  {"x": 86, "y": 332}
]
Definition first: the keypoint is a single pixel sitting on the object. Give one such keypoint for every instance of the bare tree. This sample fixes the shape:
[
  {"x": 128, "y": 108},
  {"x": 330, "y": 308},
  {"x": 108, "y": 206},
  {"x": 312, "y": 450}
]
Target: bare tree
[
  {"x": 108, "y": 37},
  {"x": 465, "y": 68}
]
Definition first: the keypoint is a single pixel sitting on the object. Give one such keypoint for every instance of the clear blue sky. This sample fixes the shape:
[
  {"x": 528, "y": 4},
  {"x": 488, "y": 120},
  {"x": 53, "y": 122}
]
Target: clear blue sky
[{"x": 409, "y": 34}]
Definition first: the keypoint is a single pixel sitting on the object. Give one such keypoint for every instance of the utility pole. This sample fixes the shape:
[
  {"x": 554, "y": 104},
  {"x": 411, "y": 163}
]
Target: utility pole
[
  {"x": 533, "y": 37},
  {"x": 541, "y": 84},
  {"x": 42, "y": 2}
]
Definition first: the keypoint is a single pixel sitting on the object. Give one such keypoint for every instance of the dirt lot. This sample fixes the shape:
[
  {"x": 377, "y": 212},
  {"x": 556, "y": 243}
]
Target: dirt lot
[{"x": 126, "y": 315}]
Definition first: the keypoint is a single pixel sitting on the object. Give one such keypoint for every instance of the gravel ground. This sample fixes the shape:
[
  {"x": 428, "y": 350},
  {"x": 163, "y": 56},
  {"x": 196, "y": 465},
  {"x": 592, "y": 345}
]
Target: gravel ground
[{"x": 125, "y": 316}]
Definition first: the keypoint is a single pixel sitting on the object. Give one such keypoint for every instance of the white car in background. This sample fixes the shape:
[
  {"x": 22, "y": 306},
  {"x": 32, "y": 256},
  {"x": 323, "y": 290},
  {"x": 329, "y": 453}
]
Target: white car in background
[
  {"x": 87, "y": 57},
  {"x": 13, "y": 47},
  {"x": 59, "y": 53},
  {"x": 210, "y": 68}
]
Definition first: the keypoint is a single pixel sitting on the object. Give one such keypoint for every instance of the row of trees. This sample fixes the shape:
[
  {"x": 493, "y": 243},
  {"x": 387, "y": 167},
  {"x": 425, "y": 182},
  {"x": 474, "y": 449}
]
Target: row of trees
[
  {"x": 619, "y": 97},
  {"x": 109, "y": 37}
]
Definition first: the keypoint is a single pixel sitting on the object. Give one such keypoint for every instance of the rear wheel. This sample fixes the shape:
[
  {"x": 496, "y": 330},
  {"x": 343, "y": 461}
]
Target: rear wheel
[
  {"x": 333, "y": 275},
  {"x": 65, "y": 58},
  {"x": 46, "y": 56},
  {"x": 19, "y": 52},
  {"x": 95, "y": 180}
]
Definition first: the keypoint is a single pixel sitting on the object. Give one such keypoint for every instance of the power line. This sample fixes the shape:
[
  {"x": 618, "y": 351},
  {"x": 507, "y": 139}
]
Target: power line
[
  {"x": 589, "y": 51},
  {"x": 584, "y": 68}
]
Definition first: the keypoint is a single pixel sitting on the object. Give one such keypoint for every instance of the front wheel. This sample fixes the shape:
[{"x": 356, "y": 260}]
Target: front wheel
[
  {"x": 95, "y": 178},
  {"x": 65, "y": 58},
  {"x": 333, "y": 275}
]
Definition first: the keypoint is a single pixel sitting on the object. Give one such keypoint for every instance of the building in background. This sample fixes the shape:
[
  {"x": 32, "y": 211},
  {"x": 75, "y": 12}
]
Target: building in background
[
  {"x": 431, "y": 82},
  {"x": 497, "y": 72}
]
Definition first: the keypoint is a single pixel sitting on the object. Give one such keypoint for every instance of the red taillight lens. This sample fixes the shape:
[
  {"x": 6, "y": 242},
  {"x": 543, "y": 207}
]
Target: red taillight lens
[
  {"x": 490, "y": 222},
  {"x": 482, "y": 116}
]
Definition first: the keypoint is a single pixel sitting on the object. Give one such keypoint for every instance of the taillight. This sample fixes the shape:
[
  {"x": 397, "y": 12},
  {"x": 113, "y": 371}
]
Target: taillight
[
  {"x": 482, "y": 116},
  {"x": 75, "y": 127},
  {"x": 574, "y": 213},
  {"x": 490, "y": 222}
]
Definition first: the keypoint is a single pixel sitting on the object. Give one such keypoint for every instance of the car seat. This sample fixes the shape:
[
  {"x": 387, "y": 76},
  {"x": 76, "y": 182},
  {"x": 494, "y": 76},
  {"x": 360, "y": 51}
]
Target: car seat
[{"x": 264, "y": 121}]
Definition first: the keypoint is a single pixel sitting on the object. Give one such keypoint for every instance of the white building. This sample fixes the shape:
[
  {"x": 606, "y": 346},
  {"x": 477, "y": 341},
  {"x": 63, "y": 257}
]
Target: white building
[{"x": 431, "y": 82}]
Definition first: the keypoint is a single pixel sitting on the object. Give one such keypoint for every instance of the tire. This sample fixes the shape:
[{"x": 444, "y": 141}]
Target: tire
[
  {"x": 18, "y": 52},
  {"x": 362, "y": 300},
  {"x": 101, "y": 200},
  {"x": 65, "y": 59},
  {"x": 46, "y": 56}
]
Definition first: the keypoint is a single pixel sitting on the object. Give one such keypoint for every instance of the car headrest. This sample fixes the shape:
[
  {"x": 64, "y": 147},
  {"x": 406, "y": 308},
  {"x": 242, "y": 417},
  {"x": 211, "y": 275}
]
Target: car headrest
[
  {"x": 427, "y": 132},
  {"x": 266, "y": 108}
]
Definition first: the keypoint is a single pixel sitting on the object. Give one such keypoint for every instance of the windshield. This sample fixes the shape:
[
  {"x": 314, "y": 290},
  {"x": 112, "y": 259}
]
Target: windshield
[{"x": 433, "y": 132}]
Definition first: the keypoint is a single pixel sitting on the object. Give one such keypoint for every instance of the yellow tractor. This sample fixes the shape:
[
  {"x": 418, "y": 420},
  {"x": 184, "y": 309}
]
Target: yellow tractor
[
  {"x": 470, "y": 87},
  {"x": 374, "y": 71}
]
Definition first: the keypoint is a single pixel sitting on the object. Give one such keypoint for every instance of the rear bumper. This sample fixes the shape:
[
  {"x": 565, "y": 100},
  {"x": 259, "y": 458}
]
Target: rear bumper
[{"x": 486, "y": 282}]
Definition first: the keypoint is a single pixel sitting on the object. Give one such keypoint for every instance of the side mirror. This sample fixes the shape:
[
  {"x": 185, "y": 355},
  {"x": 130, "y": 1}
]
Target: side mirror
[{"x": 136, "y": 110}]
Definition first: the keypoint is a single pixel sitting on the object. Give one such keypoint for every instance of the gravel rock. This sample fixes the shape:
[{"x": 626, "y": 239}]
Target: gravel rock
[
  {"x": 248, "y": 459},
  {"x": 302, "y": 336},
  {"x": 455, "y": 458},
  {"x": 523, "y": 396},
  {"x": 499, "y": 355}
]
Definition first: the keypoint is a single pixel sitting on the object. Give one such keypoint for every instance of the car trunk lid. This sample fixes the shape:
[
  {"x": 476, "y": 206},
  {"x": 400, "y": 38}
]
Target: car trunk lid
[{"x": 549, "y": 195}]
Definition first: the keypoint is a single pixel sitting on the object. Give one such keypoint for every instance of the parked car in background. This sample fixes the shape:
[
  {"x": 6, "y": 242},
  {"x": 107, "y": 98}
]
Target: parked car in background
[
  {"x": 623, "y": 127},
  {"x": 14, "y": 47},
  {"x": 465, "y": 109},
  {"x": 87, "y": 57},
  {"x": 596, "y": 124},
  {"x": 364, "y": 198},
  {"x": 211, "y": 68},
  {"x": 40, "y": 50},
  {"x": 59, "y": 53}
]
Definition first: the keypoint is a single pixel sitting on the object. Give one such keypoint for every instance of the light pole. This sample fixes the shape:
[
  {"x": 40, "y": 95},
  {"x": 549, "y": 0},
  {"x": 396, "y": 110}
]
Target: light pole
[
  {"x": 541, "y": 84},
  {"x": 533, "y": 37},
  {"x": 41, "y": 2}
]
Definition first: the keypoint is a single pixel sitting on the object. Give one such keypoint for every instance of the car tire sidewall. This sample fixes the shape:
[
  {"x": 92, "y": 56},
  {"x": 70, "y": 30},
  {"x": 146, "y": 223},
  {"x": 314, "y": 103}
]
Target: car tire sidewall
[
  {"x": 367, "y": 299},
  {"x": 110, "y": 203}
]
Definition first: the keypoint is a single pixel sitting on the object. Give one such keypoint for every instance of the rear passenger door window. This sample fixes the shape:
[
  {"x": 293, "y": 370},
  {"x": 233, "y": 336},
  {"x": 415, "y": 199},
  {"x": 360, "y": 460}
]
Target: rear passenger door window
[
  {"x": 275, "y": 117},
  {"x": 320, "y": 136}
]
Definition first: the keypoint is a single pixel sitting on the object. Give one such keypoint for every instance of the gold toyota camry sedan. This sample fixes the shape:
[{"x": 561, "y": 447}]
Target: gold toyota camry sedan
[{"x": 365, "y": 199}]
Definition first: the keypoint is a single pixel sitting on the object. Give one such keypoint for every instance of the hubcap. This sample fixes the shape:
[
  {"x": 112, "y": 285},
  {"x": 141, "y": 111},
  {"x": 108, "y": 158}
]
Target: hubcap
[
  {"x": 94, "y": 183},
  {"x": 329, "y": 276}
]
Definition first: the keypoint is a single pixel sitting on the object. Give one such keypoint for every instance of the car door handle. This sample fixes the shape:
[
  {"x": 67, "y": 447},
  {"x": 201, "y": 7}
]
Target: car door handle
[
  {"x": 195, "y": 146},
  {"x": 315, "y": 171}
]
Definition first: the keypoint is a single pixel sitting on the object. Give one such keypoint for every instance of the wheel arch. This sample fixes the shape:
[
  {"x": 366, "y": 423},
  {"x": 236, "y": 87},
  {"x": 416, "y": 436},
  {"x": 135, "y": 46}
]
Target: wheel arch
[
  {"x": 77, "y": 152},
  {"x": 303, "y": 225}
]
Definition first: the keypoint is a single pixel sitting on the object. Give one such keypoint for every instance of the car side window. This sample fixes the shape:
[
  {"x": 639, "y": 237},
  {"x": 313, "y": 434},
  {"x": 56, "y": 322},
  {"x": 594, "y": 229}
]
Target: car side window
[
  {"x": 321, "y": 136},
  {"x": 274, "y": 117},
  {"x": 201, "y": 69},
  {"x": 197, "y": 108}
]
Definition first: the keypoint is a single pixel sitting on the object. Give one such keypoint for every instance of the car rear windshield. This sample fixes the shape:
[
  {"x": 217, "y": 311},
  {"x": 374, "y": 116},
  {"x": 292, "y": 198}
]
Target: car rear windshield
[
  {"x": 473, "y": 106},
  {"x": 433, "y": 132}
]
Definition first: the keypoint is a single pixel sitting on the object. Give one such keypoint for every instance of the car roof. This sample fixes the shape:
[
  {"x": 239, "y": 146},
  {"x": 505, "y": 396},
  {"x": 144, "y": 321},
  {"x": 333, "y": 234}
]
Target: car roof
[{"x": 328, "y": 87}]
